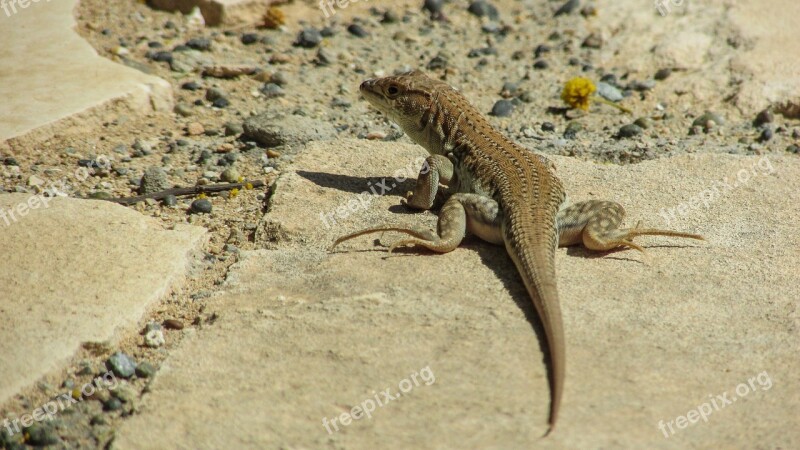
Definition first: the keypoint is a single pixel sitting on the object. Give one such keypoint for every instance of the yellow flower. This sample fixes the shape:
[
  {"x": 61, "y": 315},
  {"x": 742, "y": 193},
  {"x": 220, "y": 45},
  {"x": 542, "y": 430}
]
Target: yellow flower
[
  {"x": 248, "y": 186},
  {"x": 577, "y": 91},
  {"x": 202, "y": 195},
  {"x": 234, "y": 192}
]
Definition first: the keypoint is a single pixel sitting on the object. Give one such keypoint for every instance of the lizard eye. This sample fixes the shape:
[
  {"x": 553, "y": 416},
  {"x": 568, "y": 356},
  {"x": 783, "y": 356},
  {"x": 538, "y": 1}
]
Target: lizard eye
[{"x": 392, "y": 90}]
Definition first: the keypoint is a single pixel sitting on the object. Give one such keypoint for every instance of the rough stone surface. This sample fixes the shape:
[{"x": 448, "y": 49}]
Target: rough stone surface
[
  {"x": 274, "y": 129},
  {"x": 648, "y": 338},
  {"x": 78, "y": 271},
  {"x": 50, "y": 87}
]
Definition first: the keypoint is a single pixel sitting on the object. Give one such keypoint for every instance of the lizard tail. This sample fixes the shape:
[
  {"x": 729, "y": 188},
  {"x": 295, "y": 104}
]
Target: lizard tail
[{"x": 536, "y": 265}]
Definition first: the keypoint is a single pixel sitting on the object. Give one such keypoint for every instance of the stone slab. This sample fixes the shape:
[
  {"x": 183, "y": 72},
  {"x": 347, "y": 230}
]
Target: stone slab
[
  {"x": 76, "y": 271},
  {"x": 304, "y": 335},
  {"x": 51, "y": 78}
]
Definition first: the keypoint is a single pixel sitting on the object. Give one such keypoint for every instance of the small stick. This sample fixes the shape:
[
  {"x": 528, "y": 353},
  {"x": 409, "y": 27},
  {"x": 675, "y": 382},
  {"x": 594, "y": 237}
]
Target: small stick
[{"x": 194, "y": 190}]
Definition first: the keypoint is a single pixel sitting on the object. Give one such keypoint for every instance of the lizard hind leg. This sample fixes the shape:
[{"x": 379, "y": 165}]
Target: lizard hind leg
[{"x": 595, "y": 224}]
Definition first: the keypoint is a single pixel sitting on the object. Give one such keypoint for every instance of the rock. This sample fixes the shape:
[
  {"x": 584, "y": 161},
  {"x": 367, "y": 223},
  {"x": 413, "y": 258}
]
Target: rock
[
  {"x": 540, "y": 64},
  {"x": 764, "y": 117},
  {"x": 233, "y": 128},
  {"x": 663, "y": 74},
  {"x": 195, "y": 129},
  {"x": 482, "y": 8},
  {"x": 629, "y": 131},
  {"x": 154, "y": 180},
  {"x": 547, "y": 126},
  {"x": 572, "y": 130},
  {"x": 112, "y": 404},
  {"x": 594, "y": 40},
  {"x": 567, "y": 7},
  {"x": 274, "y": 129},
  {"x": 202, "y": 44},
  {"x": 249, "y": 38},
  {"x": 189, "y": 61},
  {"x": 609, "y": 92},
  {"x": 357, "y": 30},
  {"x": 708, "y": 121},
  {"x": 229, "y": 71},
  {"x": 201, "y": 206},
  {"x": 643, "y": 122},
  {"x": 41, "y": 434},
  {"x": 502, "y": 108},
  {"x": 173, "y": 324},
  {"x": 433, "y": 6},
  {"x": 308, "y": 38},
  {"x": 230, "y": 175},
  {"x": 154, "y": 338},
  {"x": 766, "y": 134},
  {"x": 122, "y": 365},
  {"x": 145, "y": 370}
]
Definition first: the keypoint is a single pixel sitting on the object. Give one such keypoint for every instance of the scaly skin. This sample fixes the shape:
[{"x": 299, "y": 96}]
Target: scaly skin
[{"x": 501, "y": 192}]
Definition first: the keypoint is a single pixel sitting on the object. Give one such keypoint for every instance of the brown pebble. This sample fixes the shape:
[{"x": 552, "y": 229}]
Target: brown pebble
[
  {"x": 225, "y": 148},
  {"x": 173, "y": 324},
  {"x": 195, "y": 129},
  {"x": 280, "y": 58},
  {"x": 376, "y": 136},
  {"x": 273, "y": 154}
]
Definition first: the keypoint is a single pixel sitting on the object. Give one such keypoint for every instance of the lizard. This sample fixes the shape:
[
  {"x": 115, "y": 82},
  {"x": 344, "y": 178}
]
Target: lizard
[{"x": 501, "y": 192}]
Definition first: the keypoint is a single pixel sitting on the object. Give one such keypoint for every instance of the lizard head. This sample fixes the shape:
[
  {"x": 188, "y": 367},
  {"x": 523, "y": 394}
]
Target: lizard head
[{"x": 404, "y": 98}]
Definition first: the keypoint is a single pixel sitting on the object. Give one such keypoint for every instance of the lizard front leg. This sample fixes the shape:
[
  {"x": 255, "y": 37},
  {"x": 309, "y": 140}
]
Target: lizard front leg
[
  {"x": 462, "y": 212},
  {"x": 594, "y": 223},
  {"x": 437, "y": 169}
]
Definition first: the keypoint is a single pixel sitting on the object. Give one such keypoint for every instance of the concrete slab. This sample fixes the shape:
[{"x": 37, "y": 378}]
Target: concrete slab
[
  {"x": 303, "y": 336},
  {"x": 78, "y": 271},
  {"x": 52, "y": 79}
]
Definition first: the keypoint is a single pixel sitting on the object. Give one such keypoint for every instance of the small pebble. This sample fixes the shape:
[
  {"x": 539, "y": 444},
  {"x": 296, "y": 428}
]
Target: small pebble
[
  {"x": 195, "y": 129},
  {"x": 201, "y": 206},
  {"x": 502, "y": 108},
  {"x": 643, "y": 122},
  {"x": 145, "y": 370},
  {"x": 40, "y": 435},
  {"x": 249, "y": 38},
  {"x": 357, "y": 30},
  {"x": 202, "y": 44},
  {"x": 708, "y": 121},
  {"x": 215, "y": 93},
  {"x": 629, "y": 131},
  {"x": 308, "y": 38},
  {"x": 572, "y": 130},
  {"x": 766, "y": 134},
  {"x": 793, "y": 148},
  {"x": 221, "y": 103},
  {"x": 154, "y": 338},
  {"x": 272, "y": 90},
  {"x": 547, "y": 126},
  {"x": 593, "y": 41},
  {"x": 191, "y": 86},
  {"x": 567, "y": 7},
  {"x": 173, "y": 324},
  {"x": 763, "y": 117},
  {"x": 122, "y": 365},
  {"x": 112, "y": 404},
  {"x": 433, "y": 6},
  {"x": 663, "y": 74},
  {"x": 233, "y": 128},
  {"x": 170, "y": 200},
  {"x": 230, "y": 175},
  {"x": 482, "y": 8},
  {"x": 153, "y": 180},
  {"x": 609, "y": 92},
  {"x": 540, "y": 64}
]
